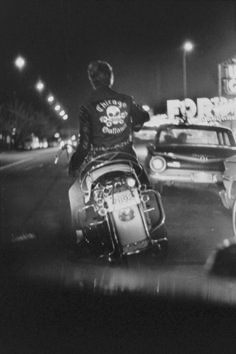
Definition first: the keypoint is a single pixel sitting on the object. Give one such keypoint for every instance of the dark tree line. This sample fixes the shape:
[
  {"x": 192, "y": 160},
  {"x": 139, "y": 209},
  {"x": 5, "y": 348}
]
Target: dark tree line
[{"x": 19, "y": 120}]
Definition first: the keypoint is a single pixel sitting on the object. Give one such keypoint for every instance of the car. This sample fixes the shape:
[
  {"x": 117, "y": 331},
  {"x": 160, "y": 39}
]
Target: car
[
  {"x": 189, "y": 153},
  {"x": 43, "y": 143},
  {"x": 31, "y": 143},
  {"x": 141, "y": 140},
  {"x": 146, "y": 134}
]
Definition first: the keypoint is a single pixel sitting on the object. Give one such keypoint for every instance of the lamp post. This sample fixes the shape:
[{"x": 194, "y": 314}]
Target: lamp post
[
  {"x": 57, "y": 107},
  {"x": 50, "y": 99},
  {"x": 20, "y": 62},
  {"x": 39, "y": 86},
  {"x": 187, "y": 47}
]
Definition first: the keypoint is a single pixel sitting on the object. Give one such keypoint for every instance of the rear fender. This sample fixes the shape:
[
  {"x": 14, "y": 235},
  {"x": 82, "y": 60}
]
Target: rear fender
[{"x": 129, "y": 229}]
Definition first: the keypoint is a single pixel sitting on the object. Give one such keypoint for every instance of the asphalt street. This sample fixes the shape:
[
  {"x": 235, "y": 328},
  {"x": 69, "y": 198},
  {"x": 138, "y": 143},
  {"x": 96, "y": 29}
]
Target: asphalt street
[
  {"x": 53, "y": 301},
  {"x": 33, "y": 194},
  {"x": 34, "y": 201}
]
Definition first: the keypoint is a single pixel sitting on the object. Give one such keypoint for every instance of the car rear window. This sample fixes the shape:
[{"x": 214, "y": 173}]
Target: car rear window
[{"x": 193, "y": 137}]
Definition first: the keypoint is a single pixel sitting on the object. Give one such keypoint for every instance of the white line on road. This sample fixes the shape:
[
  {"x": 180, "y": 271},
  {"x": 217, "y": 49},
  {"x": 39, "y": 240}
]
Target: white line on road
[{"x": 15, "y": 163}]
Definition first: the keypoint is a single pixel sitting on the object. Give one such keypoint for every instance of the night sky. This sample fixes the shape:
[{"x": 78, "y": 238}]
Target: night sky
[{"x": 141, "y": 39}]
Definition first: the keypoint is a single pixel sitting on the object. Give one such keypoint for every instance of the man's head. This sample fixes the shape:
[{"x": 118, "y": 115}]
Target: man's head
[{"x": 100, "y": 73}]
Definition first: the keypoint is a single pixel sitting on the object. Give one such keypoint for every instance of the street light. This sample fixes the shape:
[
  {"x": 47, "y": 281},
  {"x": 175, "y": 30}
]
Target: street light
[
  {"x": 50, "y": 98},
  {"x": 57, "y": 107},
  {"x": 187, "y": 47},
  {"x": 20, "y": 62},
  {"x": 62, "y": 113},
  {"x": 39, "y": 86}
]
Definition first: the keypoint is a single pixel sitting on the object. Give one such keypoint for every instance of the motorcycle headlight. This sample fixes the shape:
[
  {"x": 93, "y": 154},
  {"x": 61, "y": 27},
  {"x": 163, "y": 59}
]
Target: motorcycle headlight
[{"x": 157, "y": 164}]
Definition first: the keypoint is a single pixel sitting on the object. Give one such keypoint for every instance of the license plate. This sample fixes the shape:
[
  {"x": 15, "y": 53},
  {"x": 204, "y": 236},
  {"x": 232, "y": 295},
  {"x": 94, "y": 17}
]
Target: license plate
[{"x": 122, "y": 199}]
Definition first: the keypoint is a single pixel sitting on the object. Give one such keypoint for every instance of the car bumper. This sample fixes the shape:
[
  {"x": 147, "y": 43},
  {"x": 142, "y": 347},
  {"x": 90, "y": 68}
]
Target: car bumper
[{"x": 190, "y": 176}]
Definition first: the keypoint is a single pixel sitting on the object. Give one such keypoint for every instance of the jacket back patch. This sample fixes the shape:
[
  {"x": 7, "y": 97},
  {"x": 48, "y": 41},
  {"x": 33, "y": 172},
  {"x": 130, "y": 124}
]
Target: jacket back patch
[{"x": 112, "y": 114}]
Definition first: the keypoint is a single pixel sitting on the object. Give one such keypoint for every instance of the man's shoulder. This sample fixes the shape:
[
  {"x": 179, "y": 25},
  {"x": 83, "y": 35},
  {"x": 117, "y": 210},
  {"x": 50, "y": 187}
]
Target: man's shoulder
[
  {"x": 107, "y": 93},
  {"x": 121, "y": 94}
]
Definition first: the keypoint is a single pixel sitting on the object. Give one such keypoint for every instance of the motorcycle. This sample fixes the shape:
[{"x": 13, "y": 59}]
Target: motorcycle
[{"x": 124, "y": 216}]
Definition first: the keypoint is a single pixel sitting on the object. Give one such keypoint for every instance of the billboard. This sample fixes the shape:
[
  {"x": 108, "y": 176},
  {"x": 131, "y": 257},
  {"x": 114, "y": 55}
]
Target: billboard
[
  {"x": 216, "y": 109},
  {"x": 227, "y": 77}
]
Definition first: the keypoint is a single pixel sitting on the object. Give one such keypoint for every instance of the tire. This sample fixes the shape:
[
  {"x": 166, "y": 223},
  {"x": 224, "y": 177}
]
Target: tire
[
  {"x": 133, "y": 261},
  {"x": 164, "y": 247},
  {"x": 161, "y": 249}
]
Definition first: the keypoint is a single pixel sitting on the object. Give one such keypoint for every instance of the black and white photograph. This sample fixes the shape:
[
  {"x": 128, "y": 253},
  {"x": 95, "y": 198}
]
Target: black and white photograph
[{"x": 117, "y": 176}]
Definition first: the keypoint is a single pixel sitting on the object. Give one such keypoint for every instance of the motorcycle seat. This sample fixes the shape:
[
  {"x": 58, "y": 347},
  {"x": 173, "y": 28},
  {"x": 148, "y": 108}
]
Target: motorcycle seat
[{"x": 98, "y": 172}]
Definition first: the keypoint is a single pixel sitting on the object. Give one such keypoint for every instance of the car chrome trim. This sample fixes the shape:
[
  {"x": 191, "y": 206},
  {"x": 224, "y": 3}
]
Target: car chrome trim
[
  {"x": 154, "y": 158},
  {"x": 187, "y": 176}
]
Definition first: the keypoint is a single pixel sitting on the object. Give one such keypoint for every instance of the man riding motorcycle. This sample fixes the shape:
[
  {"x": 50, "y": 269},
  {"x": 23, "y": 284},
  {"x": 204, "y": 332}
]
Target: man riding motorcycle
[{"x": 107, "y": 121}]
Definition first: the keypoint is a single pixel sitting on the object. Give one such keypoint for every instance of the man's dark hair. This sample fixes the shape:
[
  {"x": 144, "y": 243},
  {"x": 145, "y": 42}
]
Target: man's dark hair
[{"x": 100, "y": 73}]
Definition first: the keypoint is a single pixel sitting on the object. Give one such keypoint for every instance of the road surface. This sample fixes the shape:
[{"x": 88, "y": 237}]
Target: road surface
[
  {"x": 41, "y": 309},
  {"x": 33, "y": 194},
  {"x": 34, "y": 200}
]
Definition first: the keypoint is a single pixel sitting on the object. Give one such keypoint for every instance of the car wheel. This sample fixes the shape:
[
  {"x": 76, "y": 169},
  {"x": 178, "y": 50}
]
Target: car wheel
[{"x": 161, "y": 249}]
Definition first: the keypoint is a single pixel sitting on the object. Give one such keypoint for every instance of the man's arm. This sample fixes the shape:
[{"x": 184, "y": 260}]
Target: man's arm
[
  {"x": 139, "y": 116},
  {"x": 84, "y": 143}
]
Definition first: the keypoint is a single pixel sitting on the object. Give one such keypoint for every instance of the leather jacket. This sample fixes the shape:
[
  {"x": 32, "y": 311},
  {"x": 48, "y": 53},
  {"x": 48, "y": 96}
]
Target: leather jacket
[{"x": 106, "y": 123}]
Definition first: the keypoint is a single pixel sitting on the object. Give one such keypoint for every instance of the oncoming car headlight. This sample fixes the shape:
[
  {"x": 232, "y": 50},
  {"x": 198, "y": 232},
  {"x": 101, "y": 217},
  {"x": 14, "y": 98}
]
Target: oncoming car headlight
[{"x": 157, "y": 164}]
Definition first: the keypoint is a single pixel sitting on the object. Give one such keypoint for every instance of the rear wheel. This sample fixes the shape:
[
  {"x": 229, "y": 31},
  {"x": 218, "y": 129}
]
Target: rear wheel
[
  {"x": 133, "y": 261},
  {"x": 164, "y": 246},
  {"x": 161, "y": 248}
]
